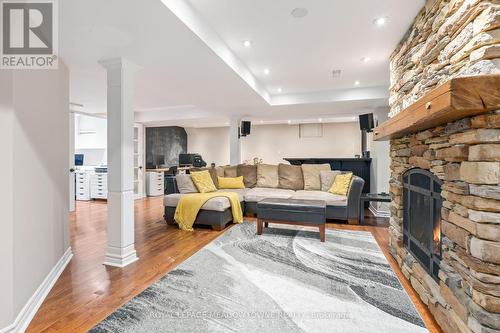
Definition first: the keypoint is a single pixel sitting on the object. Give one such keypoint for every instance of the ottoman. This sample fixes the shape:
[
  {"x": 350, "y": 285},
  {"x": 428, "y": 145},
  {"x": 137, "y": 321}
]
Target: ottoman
[{"x": 292, "y": 211}]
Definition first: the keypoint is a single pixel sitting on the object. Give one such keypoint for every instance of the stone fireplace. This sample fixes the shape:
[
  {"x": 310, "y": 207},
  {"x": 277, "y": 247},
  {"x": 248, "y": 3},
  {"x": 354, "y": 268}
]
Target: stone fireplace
[{"x": 445, "y": 209}]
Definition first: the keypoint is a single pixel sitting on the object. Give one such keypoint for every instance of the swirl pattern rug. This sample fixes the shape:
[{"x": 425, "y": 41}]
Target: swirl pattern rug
[{"x": 285, "y": 280}]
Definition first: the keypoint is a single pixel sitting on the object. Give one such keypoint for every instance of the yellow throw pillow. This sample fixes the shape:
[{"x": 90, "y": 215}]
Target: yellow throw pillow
[
  {"x": 230, "y": 182},
  {"x": 203, "y": 181},
  {"x": 341, "y": 184}
]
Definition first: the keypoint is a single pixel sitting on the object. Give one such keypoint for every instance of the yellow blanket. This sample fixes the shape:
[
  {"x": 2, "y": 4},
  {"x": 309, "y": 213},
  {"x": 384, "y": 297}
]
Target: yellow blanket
[{"x": 190, "y": 204}]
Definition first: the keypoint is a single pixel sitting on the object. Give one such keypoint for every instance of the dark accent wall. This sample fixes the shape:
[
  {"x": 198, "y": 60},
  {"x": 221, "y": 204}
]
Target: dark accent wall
[{"x": 168, "y": 141}]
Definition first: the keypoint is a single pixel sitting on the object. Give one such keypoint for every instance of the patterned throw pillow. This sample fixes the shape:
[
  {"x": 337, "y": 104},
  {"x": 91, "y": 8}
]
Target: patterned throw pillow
[
  {"x": 203, "y": 181},
  {"x": 230, "y": 182},
  {"x": 341, "y": 184}
]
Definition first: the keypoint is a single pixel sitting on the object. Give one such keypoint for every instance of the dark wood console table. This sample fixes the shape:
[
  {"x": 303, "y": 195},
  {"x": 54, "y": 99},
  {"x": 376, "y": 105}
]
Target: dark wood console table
[{"x": 359, "y": 166}]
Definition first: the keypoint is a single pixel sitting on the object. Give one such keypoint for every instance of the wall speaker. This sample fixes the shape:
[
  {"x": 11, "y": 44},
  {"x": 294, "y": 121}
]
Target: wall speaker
[
  {"x": 366, "y": 122},
  {"x": 245, "y": 128}
]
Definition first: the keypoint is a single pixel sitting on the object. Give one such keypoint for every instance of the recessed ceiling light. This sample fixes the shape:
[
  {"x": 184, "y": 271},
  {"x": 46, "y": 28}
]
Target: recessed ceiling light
[
  {"x": 289, "y": 122},
  {"x": 357, "y": 83},
  {"x": 247, "y": 43},
  {"x": 279, "y": 90},
  {"x": 320, "y": 120},
  {"x": 266, "y": 71},
  {"x": 262, "y": 121},
  {"x": 380, "y": 21},
  {"x": 365, "y": 59},
  {"x": 299, "y": 12}
]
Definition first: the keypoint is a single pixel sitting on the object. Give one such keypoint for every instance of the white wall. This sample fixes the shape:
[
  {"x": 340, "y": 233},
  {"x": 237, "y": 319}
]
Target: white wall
[
  {"x": 274, "y": 142},
  {"x": 212, "y": 143},
  {"x": 93, "y": 145},
  {"x": 380, "y": 172},
  {"x": 35, "y": 218},
  {"x": 6, "y": 200}
]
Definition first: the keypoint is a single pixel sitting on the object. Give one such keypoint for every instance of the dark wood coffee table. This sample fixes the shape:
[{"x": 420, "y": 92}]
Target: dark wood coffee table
[{"x": 292, "y": 211}]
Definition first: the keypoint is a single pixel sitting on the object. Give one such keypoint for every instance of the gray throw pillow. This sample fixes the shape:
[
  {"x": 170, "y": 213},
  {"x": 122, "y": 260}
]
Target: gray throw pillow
[
  {"x": 185, "y": 184},
  {"x": 311, "y": 175},
  {"x": 327, "y": 178}
]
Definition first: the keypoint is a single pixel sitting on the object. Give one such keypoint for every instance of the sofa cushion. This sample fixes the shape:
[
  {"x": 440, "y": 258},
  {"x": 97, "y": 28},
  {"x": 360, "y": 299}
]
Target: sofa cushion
[
  {"x": 218, "y": 204},
  {"x": 258, "y": 193},
  {"x": 311, "y": 175},
  {"x": 231, "y": 171},
  {"x": 329, "y": 198},
  {"x": 327, "y": 178},
  {"x": 185, "y": 184},
  {"x": 240, "y": 191},
  {"x": 267, "y": 175},
  {"x": 290, "y": 177},
  {"x": 249, "y": 173},
  {"x": 219, "y": 171}
]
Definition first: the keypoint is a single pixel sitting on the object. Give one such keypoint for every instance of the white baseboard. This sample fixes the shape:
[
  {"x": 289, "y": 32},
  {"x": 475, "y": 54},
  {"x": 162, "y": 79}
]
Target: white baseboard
[
  {"x": 379, "y": 213},
  {"x": 29, "y": 310}
]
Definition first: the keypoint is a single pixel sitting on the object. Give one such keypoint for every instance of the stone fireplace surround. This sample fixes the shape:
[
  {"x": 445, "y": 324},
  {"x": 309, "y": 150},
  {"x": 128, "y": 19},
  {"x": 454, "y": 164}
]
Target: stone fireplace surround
[
  {"x": 451, "y": 39},
  {"x": 464, "y": 154}
]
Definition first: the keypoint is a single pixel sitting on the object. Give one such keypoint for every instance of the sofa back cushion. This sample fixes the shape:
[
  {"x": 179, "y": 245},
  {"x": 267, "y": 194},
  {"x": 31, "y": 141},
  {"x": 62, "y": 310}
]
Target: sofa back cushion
[
  {"x": 231, "y": 183},
  {"x": 231, "y": 171},
  {"x": 267, "y": 175},
  {"x": 327, "y": 178},
  {"x": 249, "y": 174},
  {"x": 203, "y": 181},
  {"x": 185, "y": 184},
  {"x": 311, "y": 172},
  {"x": 219, "y": 171},
  {"x": 290, "y": 177}
]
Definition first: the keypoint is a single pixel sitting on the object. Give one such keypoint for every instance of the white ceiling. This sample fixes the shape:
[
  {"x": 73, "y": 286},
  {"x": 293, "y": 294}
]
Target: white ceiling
[
  {"x": 196, "y": 72},
  {"x": 302, "y": 52}
]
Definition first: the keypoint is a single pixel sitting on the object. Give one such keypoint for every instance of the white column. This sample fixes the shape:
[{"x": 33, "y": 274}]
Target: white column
[
  {"x": 234, "y": 142},
  {"x": 120, "y": 88}
]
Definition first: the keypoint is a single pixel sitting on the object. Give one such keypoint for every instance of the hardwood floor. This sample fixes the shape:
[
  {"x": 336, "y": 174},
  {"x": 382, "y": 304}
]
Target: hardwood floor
[{"x": 87, "y": 291}]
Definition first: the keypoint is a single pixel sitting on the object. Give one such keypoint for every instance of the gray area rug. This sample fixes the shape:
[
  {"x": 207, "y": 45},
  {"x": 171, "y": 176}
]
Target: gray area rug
[{"x": 283, "y": 281}]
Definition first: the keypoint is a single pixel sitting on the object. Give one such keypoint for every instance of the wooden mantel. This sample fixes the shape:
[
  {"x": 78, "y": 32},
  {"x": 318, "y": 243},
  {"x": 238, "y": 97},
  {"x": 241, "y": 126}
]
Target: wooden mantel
[{"x": 456, "y": 99}]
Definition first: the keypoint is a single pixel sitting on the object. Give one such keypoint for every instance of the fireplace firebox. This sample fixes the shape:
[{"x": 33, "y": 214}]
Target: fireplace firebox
[{"x": 422, "y": 218}]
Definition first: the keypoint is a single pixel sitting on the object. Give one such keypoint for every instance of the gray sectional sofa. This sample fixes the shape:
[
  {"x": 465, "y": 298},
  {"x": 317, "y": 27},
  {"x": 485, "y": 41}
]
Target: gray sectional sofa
[{"x": 217, "y": 213}]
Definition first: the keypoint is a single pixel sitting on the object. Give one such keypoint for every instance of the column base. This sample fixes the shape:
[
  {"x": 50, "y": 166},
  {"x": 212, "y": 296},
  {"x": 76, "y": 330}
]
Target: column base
[
  {"x": 120, "y": 257},
  {"x": 121, "y": 250}
]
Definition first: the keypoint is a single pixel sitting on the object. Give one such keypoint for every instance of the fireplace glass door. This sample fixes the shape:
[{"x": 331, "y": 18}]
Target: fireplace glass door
[{"x": 422, "y": 218}]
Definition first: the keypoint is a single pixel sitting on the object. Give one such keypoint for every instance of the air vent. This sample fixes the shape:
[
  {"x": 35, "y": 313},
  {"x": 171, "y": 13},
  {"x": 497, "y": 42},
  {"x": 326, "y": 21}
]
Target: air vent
[{"x": 336, "y": 73}]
